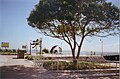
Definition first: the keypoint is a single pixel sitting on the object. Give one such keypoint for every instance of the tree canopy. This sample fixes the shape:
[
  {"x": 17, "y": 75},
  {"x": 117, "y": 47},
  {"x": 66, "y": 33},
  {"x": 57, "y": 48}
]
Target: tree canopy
[{"x": 70, "y": 20}]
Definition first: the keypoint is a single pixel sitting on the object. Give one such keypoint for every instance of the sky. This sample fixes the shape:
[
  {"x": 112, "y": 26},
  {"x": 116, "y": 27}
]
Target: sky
[{"x": 15, "y": 30}]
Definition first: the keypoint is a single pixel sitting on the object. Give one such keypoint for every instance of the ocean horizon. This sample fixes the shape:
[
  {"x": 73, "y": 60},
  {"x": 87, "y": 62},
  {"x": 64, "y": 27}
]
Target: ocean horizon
[{"x": 85, "y": 53}]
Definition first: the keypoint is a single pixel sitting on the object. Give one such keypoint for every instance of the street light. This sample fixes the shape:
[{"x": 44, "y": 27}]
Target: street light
[
  {"x": 30, "y": 46},
  {"x": 101, "y": 46},
  {"x": 40, "y": 46},
  {"x": 119, "y": 44}
]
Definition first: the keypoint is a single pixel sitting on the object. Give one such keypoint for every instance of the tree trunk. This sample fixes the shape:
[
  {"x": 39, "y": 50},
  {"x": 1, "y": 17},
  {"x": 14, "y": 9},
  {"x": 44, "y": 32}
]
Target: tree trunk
[
  {"x": 74, "y": 58},
  {"x": 78, "y": 53},
  {"x": 79, "y": 48},
  {"x": 75, "y": 61},
  {"x": 73, "y": 53}
]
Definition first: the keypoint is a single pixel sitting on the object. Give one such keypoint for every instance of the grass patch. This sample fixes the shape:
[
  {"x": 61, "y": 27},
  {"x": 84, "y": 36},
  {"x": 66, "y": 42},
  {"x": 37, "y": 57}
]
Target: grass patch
[
  {"x": 30, "y": 57},
  {"x": 8, "y": 53}
]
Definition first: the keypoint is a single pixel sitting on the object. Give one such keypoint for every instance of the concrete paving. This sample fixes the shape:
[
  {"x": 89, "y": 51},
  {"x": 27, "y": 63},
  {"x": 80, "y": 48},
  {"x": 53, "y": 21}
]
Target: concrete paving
[
  {"x": 3, "y": 59},
  {"x": 10, "y": 60}
]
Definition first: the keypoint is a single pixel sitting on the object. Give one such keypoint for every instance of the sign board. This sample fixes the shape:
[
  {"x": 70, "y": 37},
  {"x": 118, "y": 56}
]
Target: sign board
[{"x": 5, "y": 44}]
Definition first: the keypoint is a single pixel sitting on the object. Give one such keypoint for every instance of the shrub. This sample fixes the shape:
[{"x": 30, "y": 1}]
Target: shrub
[
  {"x": 62, "y": 65},
  {"x": 70, "y": 66},
  {"x": 21, "y": 51},
  {"x": 14, "y": 50},
  {"x": 29, "y": 57},
  {"x": 39, "y": 58},
  {"x": 8, "y": 53},
  {"x": 50, "y": 65},
  {"x": 45, "y": 50}
]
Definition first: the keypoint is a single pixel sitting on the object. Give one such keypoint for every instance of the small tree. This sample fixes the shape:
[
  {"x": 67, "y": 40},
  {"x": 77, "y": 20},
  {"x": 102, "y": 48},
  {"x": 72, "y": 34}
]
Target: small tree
[
  {"x": 45, "y": 50},
  {"x": 74, "y": 20},
  {"x": 14, "y": 50}
]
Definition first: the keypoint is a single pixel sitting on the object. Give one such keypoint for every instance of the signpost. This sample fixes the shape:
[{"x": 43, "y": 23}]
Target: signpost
[
  {"x": 101, "y": 46},
  {"x": 40, "y": 45},
  {"x": 5, "y": 44}
]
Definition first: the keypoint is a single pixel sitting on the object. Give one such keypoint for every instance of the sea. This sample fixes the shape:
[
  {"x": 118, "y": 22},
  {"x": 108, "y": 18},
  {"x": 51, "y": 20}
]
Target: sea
[{"x": 82, "y": 53}]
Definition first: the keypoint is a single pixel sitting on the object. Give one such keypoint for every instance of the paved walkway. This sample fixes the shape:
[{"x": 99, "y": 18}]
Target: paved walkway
[
  {"x": 3, "y": 59},
  {"x": 10, "y": 60}
]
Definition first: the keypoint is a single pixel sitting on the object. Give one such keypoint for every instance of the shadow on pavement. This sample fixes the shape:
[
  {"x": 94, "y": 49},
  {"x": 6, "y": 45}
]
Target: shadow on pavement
[
  {"x": 21, "y": 72},
  {"x": 18, "y": 72}
]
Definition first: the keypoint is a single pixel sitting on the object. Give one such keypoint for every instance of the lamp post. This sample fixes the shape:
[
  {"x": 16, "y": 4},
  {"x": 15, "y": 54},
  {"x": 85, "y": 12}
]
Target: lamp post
[
  {"x": 30, "y": 47},
  {"x": 101, "y": 46},
  {"x": 61, "y": 47},
  {"x": 119, "y": 45},
  {"x": 40, "y": 45},
  {"x": 26, "y": 48}
]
